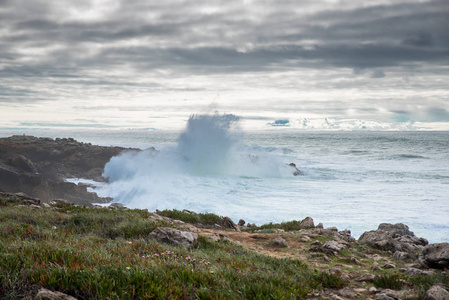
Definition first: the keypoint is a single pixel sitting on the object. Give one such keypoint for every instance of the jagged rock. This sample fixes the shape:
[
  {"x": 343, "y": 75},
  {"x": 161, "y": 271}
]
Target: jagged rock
[
  {"x": 296, "y": 171},
  {"x": 334, "y": 247},
  {"x": 396, "y": 230},
  {"x": 307, "y": 223},
  {"x": 393, "y": 237},
  {"x": 228, "y": 223},
  {"x": 174, "y": 236},
  {"x": 344, "y": 235},
  {"x": 400, "y": 255},
  {"x": 116, "y": 206},
  {"x": 437, "y": 292},
  {"x": 280, "y": 242},
  {"x": 241, "y": 222},
  {"x": 45, "y": 294},
  {"x": 320, "y": 226},
  {"x": 436, "y": 256},
  {"x": 380, "y": 240},
  {"x": 367, "y": 277},
  {"x": 389, "y": 265}
]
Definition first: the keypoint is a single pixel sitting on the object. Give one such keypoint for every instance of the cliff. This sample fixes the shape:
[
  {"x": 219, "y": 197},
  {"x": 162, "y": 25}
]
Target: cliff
[{"x": 39, "y": 167}]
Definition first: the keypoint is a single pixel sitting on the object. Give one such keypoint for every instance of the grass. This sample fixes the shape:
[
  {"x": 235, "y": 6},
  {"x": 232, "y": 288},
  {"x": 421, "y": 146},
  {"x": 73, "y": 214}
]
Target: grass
[
  {"x": 192, "y": 218},
  {"x": 106, "y": 254},
  {"x": 389, "y": 281}
]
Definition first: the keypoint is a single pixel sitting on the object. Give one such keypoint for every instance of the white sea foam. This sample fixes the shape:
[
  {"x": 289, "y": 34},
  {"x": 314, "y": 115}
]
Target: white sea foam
[
  {"x": 202, "y": 171},
  {"x": 352, "y": 180}
]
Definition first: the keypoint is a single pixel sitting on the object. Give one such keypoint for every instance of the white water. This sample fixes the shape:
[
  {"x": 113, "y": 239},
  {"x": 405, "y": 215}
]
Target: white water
[{"x": 353, "y": 180}]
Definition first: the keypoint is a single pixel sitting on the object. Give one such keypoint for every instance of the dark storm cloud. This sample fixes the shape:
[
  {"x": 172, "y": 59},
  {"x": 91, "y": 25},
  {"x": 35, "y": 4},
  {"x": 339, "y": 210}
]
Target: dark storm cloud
[{"x": 43, "y": 39}]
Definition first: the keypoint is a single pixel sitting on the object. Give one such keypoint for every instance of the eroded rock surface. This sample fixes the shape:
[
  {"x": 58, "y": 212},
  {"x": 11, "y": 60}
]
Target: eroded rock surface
[
  {"x": 393, "y": 237},
  {"x": 436, "y": 256},
  {"x": 39, "y": 167},
  {"x": 174, "y": 236}
]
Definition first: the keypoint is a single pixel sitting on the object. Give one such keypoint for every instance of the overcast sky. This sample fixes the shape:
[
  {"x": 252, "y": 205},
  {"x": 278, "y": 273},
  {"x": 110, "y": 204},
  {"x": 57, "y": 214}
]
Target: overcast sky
[{"x": 379, "y": 64}]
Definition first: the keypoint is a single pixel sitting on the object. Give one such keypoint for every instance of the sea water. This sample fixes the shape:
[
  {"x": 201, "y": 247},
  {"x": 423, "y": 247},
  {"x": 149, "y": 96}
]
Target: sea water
[{"x": 352, "y": 180}]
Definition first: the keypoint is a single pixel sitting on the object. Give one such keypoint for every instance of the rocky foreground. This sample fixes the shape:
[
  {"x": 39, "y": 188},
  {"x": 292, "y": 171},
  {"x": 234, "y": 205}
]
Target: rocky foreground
[
  {"x": 39, "y": 167},
  {"x": 387, "y": 263},
  {"x": 384, "y": 264}
]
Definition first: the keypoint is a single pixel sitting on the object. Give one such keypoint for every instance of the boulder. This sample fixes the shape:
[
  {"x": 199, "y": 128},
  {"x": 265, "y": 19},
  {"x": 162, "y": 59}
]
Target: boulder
[
  {"x": 45, "y": 294},
  {"x": 344, "y": 235},
  {"x": 116, "y": 205},
  {"x": 307, "y": 223},
  {"x": 280, "y": 242},
  {"x": 334, "y": 247},
  {"x": 436, "y": 256},
  {"x": 393, "y": 237},
  {"x": 226, "y": 222},
  {"x": 241, "y": 222},
  {"x": 174, "y": 236},
  {"x": 437, "y": 292},
  {"x": 296, "y": 171},
  {"x": 396, "y": 230},
  {"x": 380, "y": 240},
  {"x": 366, "y": 277}
]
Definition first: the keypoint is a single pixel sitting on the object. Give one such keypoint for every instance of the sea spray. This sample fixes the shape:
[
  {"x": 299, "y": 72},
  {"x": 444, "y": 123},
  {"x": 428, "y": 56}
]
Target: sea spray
[
  {"x": 209, "y": 169},
  {"x": 207, "y": 143}
]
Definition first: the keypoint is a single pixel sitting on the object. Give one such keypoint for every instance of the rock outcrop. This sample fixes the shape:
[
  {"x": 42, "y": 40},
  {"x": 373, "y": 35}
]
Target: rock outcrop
[
  {"x": 436, "y": 256},
  {"x": 39, "y": 167},
  {"x": 393, "y": 237},
  {"x": 437, "y": 292},
  {"x": 45, "y": 294},
  {"x": 174, "y": 236}
]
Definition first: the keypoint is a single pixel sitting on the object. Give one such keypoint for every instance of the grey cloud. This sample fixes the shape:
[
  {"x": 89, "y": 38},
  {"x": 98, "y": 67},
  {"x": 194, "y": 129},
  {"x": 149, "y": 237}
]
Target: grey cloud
[
  {"x": 419, "y": 40},
  {"x": 212, "y": 40},
  {"x": 378, "y": 74}
]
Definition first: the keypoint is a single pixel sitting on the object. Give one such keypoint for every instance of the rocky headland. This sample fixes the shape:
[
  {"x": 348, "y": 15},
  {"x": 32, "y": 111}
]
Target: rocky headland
[
  {"x": 388, "y": 263},
  {"x": 39, "y": 167}
]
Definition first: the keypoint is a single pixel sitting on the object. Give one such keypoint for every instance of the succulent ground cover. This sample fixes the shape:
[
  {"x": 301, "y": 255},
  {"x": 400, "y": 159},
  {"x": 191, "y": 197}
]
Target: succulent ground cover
[
  {"x": 106, "y": 254},
  {"x": 100, "y": 253}
]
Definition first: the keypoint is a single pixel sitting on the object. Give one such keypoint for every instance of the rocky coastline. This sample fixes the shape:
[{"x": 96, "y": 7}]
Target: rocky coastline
[
  {"x": 33, "y": 173},
  {"x": 39, "y": 167},
  {"x": 361, "y": 263}
]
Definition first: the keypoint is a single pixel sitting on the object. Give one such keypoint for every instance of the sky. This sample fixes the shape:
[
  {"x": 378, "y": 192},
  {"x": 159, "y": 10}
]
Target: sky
[{"x": 284, "y": 64}]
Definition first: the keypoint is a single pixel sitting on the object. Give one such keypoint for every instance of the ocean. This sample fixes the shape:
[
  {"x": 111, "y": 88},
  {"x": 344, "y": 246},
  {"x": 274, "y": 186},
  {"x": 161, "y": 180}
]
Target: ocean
[{"x": 351, "y": 180}]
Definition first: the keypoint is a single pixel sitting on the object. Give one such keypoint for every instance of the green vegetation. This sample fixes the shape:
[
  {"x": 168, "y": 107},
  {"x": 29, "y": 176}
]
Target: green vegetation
[
  {"x": 106, "y": 254},
  {"x": 389, "y": 281},
  {"x": 192, "y": 218}
]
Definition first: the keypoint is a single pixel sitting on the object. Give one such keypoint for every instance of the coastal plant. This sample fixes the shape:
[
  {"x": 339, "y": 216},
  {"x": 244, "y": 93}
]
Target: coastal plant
[
  {"x": 389, "y": 281},
  {"x": 106, "y": 254},
  {"x": 193, "y": 218},
  {"x": 293, "y": 225},
  {"x": 423, "y": 282}
]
